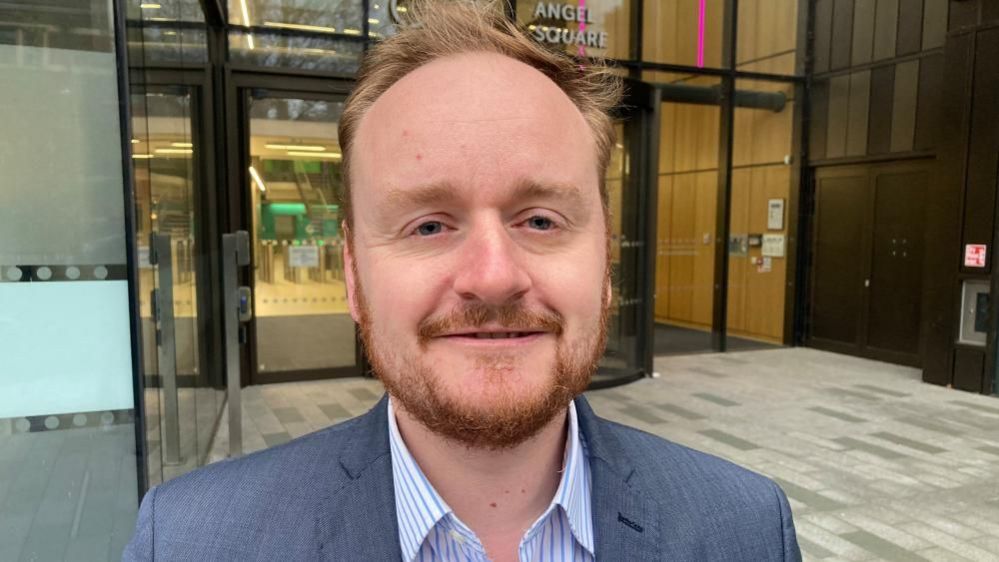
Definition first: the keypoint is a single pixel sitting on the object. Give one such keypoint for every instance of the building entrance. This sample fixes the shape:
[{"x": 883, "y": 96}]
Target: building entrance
[{"x": 302, "y": 328}]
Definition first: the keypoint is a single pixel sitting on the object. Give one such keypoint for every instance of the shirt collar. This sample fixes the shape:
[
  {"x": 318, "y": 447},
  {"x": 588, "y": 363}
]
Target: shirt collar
[{"x": 419, "y": 507}]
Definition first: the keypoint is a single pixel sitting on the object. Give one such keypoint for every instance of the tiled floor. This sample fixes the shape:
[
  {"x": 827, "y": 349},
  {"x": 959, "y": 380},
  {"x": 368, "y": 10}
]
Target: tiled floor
[{"x": 877, "y": 465}]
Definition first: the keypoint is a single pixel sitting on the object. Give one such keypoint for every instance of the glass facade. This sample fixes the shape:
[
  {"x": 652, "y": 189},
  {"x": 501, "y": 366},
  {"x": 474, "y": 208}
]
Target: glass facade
[
  {"x": 232, "y": 119},
  {"x": 68, "y": 471}
]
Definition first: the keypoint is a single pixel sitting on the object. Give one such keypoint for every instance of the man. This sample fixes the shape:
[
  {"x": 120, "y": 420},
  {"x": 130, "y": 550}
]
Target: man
[{"x": 477, "y": 226}]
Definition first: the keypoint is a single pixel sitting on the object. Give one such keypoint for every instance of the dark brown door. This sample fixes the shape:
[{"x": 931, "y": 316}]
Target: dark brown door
[
  {"x": 896, "y": 279},
  {"x": 866, "y": 278},
  {"x": 837, "y": 272}
]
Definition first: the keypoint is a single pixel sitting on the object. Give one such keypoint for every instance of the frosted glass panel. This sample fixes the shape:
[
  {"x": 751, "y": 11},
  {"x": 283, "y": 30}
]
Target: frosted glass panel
[
  {"x": 68, "y": 465},
  {"x": 70, "y": 348},
  {"x": 60, "y": 152}
]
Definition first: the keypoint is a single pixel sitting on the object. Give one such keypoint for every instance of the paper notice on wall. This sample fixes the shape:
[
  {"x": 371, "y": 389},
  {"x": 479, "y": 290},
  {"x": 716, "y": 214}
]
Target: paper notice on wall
[
  {"x": 775, "y": 214},
  {"x": 974, "y": 255},
  {"x": 773, "y": 245},
  {"x": 765, "y": 265},
  {"x": 303, "y": 256}
]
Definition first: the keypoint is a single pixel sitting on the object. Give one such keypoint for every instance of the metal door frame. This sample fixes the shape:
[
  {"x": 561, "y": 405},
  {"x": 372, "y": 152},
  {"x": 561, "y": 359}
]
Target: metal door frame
[{"x": 240, "y": 88}]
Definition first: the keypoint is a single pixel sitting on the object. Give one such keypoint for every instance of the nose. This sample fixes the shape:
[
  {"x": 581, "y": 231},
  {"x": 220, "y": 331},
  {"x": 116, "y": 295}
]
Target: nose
[{"x": 489, "y": 269}]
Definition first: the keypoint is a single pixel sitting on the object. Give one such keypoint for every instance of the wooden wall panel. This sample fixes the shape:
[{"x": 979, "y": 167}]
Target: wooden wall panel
[
  {"x": 670, "y": 30},
  {"x": 928, "y": 101},
  {"x": 839, "y": 96},
  {"x": 990, "y": 11},
  {"x": 903, "y": 118},
  {"x": 742, "y": 180},
  {"x": 681, "y": 247},
  {"x": 823, "y": 35},
  {"x": 685, "y": 258},
  {"x": 857, "y": 113},
  {"x": 910, "y": 27},
  {"x": 983, "y": 146},
  {"x": 767, "y": 29},
  {"x": 882, "y": 94},
  {"x": 704, "y": 258},
  {"x": 756, "y": 298},
  {"x": 963, "y": 14},
  {"x": 667, "y": 138},
  {"x": 934, "y": 23},
  {"x": 885, "y": 29},
  {"x": 774, "y": 136},
  {"x": 863, "y": 32},
  {"x": 706, "y": 150},
  {"x": 742, "y": 137},
  {"x": 842, "y": 36},
  {"x": 819, "y": 120}
]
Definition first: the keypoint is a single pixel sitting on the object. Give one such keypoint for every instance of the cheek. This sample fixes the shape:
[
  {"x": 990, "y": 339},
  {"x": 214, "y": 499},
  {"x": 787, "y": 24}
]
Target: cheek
[
  {"x": 398, "y": 298},
  {"x": 575, "y": 286}
]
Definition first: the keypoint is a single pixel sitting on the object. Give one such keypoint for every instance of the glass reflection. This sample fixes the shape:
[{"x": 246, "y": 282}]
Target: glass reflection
[
  {"x": 300, "y": 52},
  {"x": 683, "y": 32},
  {"x": 300, "y": 300},
  {"x": 767, "y": 36},
  {"x": 181, "y": 403},
  {"x": 319, "y": 16}
]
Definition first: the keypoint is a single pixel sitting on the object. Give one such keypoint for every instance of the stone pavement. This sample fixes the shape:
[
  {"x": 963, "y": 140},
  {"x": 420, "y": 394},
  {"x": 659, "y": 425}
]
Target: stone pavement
[{"x": 876, "y": 464}]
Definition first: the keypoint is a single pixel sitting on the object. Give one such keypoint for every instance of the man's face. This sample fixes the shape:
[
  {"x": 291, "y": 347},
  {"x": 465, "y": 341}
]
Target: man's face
[{"x": 477, "y": 267}]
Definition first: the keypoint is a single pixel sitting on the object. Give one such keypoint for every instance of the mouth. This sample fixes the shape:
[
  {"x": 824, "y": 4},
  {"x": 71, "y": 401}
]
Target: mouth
[{"x": 493, "y": 335}]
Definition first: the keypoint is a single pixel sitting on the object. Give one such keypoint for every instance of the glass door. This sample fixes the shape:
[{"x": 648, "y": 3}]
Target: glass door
[
  {"x": 629, "y": 178},
  {"x": 182, "y": 401},
  {"x": 302, "y": 328}
]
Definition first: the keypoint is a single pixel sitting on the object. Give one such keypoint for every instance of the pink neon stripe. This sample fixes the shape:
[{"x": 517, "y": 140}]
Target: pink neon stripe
[
  {"x": 700, "y": 34},
  {"x": 582, "y": 28}
]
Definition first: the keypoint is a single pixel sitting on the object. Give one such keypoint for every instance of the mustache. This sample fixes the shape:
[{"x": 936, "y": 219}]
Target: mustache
[{"x": 515, "y": 317}]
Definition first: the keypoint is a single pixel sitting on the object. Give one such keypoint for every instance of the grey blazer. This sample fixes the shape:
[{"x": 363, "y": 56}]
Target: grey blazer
[{"x": 329, "y": 496}]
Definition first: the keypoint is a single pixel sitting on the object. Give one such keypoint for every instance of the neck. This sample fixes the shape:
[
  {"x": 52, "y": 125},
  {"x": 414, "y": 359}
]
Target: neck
[{"x": 495, "y": 493}]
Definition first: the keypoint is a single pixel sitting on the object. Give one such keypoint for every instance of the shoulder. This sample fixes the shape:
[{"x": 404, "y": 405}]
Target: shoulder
[
  {"x": 280, "y": 470},
  {"x": 670, "y": 464},
  {"x": 707, "y": 505},
  {"x": 244, "y": 508}
]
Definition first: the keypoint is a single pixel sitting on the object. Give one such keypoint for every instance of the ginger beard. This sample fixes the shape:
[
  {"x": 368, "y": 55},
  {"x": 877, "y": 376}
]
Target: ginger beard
[{"x": 509, "y": 418}]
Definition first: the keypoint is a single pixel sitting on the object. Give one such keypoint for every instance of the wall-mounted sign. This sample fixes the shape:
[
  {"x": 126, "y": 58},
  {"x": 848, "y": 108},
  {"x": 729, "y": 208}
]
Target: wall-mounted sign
[
  {"x": 773, "y": 245},
  {"x": 755, "y": 240},
  {"x": 303, "y": 256},
  {"x": 974, "y": 255},
  {"x": 775, "y": 214},
  {"x": 765, "y": 265},
  {"x": 567, "y": 13}
]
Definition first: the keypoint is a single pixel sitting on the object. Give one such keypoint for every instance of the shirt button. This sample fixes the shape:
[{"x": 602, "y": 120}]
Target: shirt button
[{"x": 457, "y": 536}]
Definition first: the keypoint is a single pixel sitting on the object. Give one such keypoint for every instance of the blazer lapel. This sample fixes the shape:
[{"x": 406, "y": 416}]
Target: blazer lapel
[
  {"x": 357, "y": 518},
  {"x": 626, "y": 524}
]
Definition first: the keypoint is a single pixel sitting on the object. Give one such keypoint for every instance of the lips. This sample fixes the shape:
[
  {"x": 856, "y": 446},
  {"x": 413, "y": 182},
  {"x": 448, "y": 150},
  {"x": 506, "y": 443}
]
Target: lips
[{"x": 496, "y": 335}]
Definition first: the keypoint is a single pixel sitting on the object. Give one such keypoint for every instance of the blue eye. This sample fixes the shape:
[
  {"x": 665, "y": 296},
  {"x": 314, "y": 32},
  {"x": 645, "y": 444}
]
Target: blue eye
[
  {"x": 430, "y": 228},
  {"x": 539, "y": 222}
]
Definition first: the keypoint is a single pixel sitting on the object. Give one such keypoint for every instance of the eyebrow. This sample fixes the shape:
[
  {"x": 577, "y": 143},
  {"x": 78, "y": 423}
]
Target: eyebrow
[{"x": 437, "y": 193}]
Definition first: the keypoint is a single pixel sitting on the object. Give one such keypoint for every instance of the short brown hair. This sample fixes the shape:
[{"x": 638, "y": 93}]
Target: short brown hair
[{"x": 436, "y": 29}]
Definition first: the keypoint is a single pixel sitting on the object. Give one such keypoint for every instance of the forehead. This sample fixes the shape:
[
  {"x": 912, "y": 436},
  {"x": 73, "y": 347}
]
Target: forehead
[{"x": 474, "y": 112}]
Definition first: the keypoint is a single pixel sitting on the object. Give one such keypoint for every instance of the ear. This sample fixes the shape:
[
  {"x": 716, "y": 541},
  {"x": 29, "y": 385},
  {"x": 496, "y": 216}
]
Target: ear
[
  {"x": 609, "y": 294},
  {"x": 348, "y": 273}
]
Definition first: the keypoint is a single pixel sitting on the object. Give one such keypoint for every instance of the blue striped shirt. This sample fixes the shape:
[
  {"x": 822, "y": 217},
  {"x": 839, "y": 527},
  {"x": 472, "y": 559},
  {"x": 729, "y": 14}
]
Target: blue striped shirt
[{"x": 430, "y": 531}]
